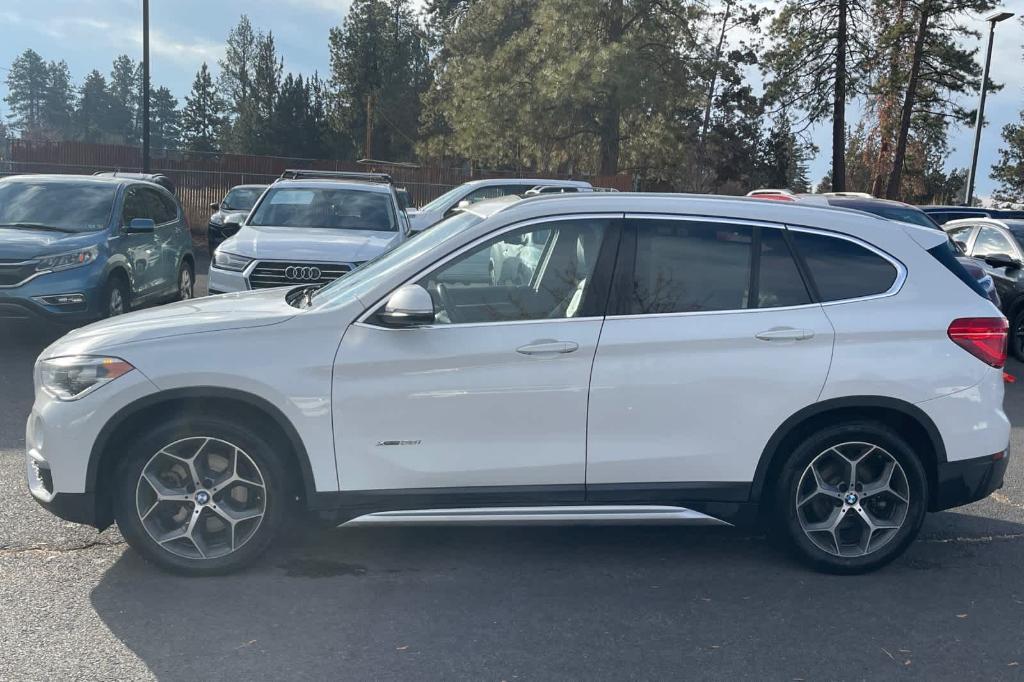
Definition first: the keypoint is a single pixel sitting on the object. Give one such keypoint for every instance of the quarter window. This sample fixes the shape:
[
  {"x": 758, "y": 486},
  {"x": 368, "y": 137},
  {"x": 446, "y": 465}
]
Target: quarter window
[
  {"x": 535, "y": 273},
  {"x": 842, "y": 269},
  {"x": 693, "y": 266}
]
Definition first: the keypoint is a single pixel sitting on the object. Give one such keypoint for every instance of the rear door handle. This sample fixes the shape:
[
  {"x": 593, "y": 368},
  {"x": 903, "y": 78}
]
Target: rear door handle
[
  {"x": 785, "y": 334},
  {"x": 548, "y": 348}
]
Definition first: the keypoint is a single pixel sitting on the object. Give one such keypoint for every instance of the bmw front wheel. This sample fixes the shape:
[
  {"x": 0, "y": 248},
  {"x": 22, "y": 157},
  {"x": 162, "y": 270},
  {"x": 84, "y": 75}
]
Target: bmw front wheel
[{"x": 200, "y": 496}]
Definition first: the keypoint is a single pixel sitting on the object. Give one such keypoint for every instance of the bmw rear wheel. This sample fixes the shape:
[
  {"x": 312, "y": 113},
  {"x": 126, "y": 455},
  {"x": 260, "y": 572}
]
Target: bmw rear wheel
[
  {"x": 186, "y": 282},
  {"x": 852, "y": 497},
  {"x": 200, "y": 496}
]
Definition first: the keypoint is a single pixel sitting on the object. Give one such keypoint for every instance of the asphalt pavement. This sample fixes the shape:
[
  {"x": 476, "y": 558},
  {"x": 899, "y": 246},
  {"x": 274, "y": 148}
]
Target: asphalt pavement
[{"x": 504, "y": 603}]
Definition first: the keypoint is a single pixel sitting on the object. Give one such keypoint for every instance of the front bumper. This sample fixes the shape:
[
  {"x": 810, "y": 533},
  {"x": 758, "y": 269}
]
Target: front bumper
[
  {"x": 61, "y": 466},
  {"x": 25, "y": 302},
  {"x": 968, "y": 480}
]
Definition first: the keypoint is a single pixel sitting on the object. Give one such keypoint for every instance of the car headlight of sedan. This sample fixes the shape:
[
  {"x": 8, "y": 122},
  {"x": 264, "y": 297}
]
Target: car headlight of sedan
[
  {"x": 66, "y": 261},
  {"x": 229, "y": 261},
  {"x": 217, "y": 218},
  {"x": 71, "y": 377}
]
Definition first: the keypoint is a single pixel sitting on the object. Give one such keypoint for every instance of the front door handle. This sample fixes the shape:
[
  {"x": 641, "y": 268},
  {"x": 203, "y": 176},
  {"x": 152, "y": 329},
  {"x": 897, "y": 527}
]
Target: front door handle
[
  {"x": 785, "y": 334},
  {"x": 548, "y": 348}
]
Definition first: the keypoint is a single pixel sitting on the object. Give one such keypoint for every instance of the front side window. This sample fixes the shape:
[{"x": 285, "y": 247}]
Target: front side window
[
  {"x": 991, "y": 241},
  {"x": 693, "y": 266},
  {"x": 842, "y": 269},
  {"x": 538, "y": 272},
  {"x": 328, "y": 208},
  {"x": 63, "y": 205},
  {"x": 160, "y": 207}
]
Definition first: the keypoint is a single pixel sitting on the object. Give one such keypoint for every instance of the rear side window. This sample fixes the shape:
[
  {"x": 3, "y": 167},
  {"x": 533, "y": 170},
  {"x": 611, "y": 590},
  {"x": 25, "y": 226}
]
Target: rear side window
[
  {"x": 690, "y": 266},
  {"x": 842, "y": 269}
]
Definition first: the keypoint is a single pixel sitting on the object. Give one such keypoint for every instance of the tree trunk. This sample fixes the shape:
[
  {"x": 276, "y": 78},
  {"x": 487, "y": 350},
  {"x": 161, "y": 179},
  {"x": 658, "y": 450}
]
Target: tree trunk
[
  {"x": 839, "y": 104},
  {"x": 892, "y": 190},
  {"x": 610, "y": 115},
  {"x": 706, "y": 124},
  {"x": 886, "y": 112}
]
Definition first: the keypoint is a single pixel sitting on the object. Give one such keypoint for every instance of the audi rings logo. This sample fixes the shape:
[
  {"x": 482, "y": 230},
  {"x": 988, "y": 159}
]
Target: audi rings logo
[{"x": 304, "y": 273}]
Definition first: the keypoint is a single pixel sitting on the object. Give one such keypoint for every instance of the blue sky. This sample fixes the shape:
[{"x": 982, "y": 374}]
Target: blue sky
[{"x": 90, "y": 33}]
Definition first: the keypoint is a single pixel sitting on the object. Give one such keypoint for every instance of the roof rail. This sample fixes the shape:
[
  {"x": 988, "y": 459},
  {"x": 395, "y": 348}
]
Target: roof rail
[{"x": 300, "y": 174}]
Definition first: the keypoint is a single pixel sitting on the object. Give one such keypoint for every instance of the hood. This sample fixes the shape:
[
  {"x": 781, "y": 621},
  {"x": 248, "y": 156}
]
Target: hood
[
  {"x": 310, "y": 244},
  {"x": 24, "y": 244},
  {"x": 213, "y": 313}
]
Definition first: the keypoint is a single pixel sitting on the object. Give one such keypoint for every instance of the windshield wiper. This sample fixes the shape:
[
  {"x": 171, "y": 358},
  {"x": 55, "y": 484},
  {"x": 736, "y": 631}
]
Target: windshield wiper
[{"x": 38, "y": 226}]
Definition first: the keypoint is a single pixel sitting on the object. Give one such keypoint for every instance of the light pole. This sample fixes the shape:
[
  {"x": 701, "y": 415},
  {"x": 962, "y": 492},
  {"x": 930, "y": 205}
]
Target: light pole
[
  {"x": 979, "y": 119},
  {"x": 145, "y": 86}
]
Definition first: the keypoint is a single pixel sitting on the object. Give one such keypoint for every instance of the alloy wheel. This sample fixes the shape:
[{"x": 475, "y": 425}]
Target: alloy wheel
[
  {"x": 115, "y": 306},
  {"x": 201, "y": 497},
  {"x": 852, "y": 499},
  {"x": 185, "y": 285}
]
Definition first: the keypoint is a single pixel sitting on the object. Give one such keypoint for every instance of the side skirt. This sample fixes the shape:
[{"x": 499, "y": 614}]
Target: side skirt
[{"x": 556, "y": 515}]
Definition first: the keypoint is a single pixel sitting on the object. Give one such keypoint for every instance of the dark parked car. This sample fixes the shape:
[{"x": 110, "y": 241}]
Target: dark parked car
[
  {"x": 944, "y": 214},
  {"x": 997, "y": 245},
  {"x": 230, "y": 213},
  {"x": 76, "y": 248}
]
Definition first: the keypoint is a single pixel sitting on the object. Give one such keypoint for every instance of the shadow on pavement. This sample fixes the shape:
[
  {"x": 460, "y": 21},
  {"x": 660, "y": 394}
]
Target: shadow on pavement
[{"x": 447, "y": 603}]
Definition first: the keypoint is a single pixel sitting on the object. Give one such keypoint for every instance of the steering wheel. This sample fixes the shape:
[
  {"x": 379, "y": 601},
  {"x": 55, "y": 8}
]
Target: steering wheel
[{"x": 445, "y": 298}]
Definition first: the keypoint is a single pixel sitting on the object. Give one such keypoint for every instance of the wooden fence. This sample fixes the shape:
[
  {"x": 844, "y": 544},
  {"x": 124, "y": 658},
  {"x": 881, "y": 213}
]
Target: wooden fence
[{"x": 202, "y": 178}]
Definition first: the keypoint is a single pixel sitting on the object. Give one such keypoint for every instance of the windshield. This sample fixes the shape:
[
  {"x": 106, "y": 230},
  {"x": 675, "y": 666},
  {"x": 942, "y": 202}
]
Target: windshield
[
  {"x": 443, "y": 200},
  {"x": 241, "y": 198},
  {"x": 68, "y": 206},
  {"x": 411, "y": 248},
  {"x": 326, "y": 207}
]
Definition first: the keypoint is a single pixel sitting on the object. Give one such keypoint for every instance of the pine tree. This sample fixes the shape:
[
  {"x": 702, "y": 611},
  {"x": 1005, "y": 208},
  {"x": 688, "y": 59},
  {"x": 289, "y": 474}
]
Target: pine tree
[
  {"x": 28, "y": 82},
  {"x": 165, "y": 119},
  {"x": 203, "y": 116},
  {"x": 379, "y": 67},
  {"x": 125, "y": 87},
  {"x": 266, "y": 85},
  {"x": 818, "y": 62},
  {"x": 60, "y": 101},
  {"x": 93, "y": 121}
]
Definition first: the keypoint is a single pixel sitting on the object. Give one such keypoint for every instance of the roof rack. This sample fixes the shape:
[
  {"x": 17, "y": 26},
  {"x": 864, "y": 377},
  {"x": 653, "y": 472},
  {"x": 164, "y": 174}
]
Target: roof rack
[{"x": 299, "y": 174}]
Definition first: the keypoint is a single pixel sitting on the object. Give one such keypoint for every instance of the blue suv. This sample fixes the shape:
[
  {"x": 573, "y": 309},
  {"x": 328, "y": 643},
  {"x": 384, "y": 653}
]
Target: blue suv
[{"x": 78, "y": 248}]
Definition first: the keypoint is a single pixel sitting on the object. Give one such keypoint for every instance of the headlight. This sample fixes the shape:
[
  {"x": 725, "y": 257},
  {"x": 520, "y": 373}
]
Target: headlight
[
  {"x": 229, "y": 261},
  {"x": 70, "y": 378},
  {"x": 217, "y": 218},
  {"x": 66, "y": 261}
]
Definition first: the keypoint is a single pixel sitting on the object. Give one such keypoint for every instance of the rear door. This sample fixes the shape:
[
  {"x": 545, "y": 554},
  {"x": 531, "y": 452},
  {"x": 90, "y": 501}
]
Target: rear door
[{"x": 711, "y": 342}]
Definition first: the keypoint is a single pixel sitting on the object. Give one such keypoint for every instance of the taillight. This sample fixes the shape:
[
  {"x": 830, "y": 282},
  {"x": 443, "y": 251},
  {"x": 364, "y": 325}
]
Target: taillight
[{"x": 982, "y": 337}]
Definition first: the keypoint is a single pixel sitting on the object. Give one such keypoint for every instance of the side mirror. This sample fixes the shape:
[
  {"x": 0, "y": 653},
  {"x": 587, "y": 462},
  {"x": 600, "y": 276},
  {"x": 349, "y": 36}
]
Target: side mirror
[
  {"x": 214, "y": 206},
  {"x": 409, "y": 306},
  {"x": 1002, "y": 260},
  {"x": 141, "y": 225}
]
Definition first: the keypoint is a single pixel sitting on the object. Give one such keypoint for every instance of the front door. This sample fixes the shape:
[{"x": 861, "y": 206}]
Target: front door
[
  {"x": 711, "y": 344},
  {"x": 494, "y": 393}
]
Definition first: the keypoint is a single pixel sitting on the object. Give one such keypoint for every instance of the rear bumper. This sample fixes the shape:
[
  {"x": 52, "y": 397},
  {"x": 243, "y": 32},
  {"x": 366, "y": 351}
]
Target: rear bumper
[{"x": 968, "y": 480}]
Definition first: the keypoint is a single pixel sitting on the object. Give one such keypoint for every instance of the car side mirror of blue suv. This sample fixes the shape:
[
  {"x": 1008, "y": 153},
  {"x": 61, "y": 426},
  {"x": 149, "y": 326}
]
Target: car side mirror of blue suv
[{"x": 141, "y": 225}]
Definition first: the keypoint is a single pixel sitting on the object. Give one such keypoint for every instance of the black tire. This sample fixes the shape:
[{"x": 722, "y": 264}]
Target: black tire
[
  {"x": 789, "y": 482},
  {"x": 116, "y": 297},
  {"x": 1017, "y": 335},
  {"x": 259, "y": 448},
  {"x": 185, "y": 269}
]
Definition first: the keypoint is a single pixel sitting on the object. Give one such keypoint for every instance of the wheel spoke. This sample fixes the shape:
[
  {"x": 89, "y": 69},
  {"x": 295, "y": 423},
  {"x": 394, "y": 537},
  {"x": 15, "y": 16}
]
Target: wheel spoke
[
  {"x": 820, "y": 488},
  {"x": 163, "y": 493}
]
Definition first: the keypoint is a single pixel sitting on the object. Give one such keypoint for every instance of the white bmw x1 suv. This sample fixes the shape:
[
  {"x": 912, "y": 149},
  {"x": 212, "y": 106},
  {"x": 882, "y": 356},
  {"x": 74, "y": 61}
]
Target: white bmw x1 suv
[{"x": 669, "y": 358}]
